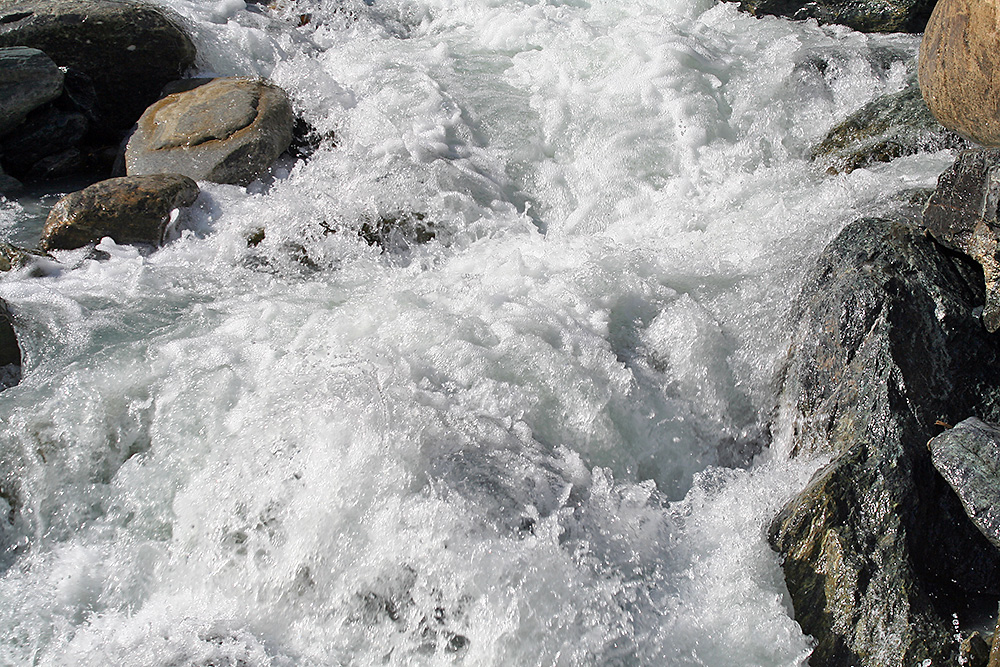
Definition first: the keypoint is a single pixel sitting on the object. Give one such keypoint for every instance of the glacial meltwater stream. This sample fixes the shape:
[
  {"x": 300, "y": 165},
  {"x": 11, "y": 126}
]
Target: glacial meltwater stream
[{"x": 483, "y": 381}]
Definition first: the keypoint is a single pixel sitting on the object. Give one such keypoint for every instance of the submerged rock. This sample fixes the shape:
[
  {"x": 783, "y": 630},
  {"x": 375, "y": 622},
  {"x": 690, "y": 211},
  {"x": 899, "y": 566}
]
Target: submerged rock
[
  {"x": 13, "y": 257},
  {"x": 889, "y": 127},
  {"x": 958, "y": 58},
  {"x": 877, "y": 551},
  {"x": 968, "y": 457},
  {"x": 28, "y": 79},
  {"x": 129, "y": 209},
  {"x": 230, "y": 130},
  {"x": 862, "y": 15},
  {"x": 962, "y": 215},
  {"x": 128, "y": 49}
]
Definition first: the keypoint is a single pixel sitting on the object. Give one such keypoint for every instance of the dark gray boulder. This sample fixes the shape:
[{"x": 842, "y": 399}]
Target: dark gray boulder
[
  {"x": 889, "y": 127},
  {"x": 862, "y": 15},
  {"x": 129, "y": 209},
  {"x": 48, "y": 132},
  {"x": 230, "y": 130},
  {"x": 28, "y": 79},
  {"x": 10, "y": 351},
  {"x": 130, "y": 50},
  {"x": 968, "y": 457},
  {"x": 877, "y": 551},
  {"x": 962, "y": 215}
]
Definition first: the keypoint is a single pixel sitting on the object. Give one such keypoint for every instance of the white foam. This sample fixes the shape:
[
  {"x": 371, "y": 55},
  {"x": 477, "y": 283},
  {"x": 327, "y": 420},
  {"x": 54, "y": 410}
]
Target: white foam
[{"x": 502, "y": 444}]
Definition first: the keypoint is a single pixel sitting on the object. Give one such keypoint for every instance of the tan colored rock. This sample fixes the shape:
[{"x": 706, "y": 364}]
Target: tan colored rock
[
  {"x": 230, "y": 130},
  {"x": 129, "y": 209},
  {"x": 959, "y": 68}
]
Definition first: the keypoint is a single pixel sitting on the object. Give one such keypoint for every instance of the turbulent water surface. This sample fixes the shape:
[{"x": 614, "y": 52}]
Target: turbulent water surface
[{"x": 489, "y": 387}]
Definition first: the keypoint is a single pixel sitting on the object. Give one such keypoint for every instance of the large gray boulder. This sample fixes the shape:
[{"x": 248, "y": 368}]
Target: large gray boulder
[
  {"x": 230, "y": 130},
  {"x": 130, "y": 50},
  {"x": 888, "y": 127},
  {"x": 129, "y": 209},
  {"x": 968, "y": 457},
  {"x": 962, "y": 215},
  {"x": 28, "y": 79},
  {"x": 878, "y": 552},
  {"x": 862, "y": 15}
]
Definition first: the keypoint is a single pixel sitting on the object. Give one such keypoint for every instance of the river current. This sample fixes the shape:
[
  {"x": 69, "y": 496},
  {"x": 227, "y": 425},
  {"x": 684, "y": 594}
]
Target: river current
[{"x": 485, "y": 380}]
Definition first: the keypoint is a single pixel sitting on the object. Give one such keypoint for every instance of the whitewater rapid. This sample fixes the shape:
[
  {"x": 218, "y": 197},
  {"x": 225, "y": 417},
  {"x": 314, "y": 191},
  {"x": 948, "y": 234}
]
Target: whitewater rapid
[{"x": 528, "y": 440}]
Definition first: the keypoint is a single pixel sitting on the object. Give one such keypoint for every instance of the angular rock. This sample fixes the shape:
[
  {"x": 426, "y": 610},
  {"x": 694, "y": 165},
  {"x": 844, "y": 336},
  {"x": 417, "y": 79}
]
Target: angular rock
[
  {"x": 128, "y": 49},
  {"x": 228, "y": 131},
  {"x": 861, "y": 15},
  {"x": 877, "y": 550},
  {"x": 889, "y": 127},
  {"x": 129, "y": 209},
  {"x": 28, "y": 79},
  {"x": 962, "y": 215},
  {"x": 958, "y": 58},
  {"x": 968, "y": 457}
]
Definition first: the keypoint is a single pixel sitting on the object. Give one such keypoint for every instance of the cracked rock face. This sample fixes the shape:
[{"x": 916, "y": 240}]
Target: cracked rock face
[
  {"x": 230, "y": 130},
  {"x": 130, "y": 209},
  {"x": 968, "y": 457},
  {"x": 878, "y": 552},
  {"x": 962, "y": 215}
]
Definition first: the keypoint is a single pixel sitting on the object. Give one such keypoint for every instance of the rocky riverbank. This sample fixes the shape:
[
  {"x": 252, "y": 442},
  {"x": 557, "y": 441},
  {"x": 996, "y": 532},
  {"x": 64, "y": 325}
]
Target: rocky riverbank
[{"x": 885, "y": 557}]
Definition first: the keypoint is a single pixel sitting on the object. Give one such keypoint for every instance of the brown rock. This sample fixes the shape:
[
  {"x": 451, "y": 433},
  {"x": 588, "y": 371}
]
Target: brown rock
[
  {"x": 129, "y": 209},
  {"x": 228, "y": 131},
  {"x": 959, "y": 65}
]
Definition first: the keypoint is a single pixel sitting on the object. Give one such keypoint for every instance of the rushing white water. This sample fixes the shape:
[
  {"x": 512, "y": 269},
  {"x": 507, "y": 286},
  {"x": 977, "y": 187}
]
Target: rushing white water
[{"x": 523, "y": 442}]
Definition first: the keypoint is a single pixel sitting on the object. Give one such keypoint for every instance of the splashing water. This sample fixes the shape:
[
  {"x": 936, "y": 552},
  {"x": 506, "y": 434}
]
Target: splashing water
[{"x": 488, "y": 384}]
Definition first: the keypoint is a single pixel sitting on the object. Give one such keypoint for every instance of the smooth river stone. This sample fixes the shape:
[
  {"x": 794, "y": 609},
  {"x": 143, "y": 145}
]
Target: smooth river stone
[
  {"x": 230, "y": 130},
  {"x": 129, "y": 209},
  {"x": 958, "y": 67},
  {"x": 968, "y": 457},
  {"x": 130, "y": 50}
]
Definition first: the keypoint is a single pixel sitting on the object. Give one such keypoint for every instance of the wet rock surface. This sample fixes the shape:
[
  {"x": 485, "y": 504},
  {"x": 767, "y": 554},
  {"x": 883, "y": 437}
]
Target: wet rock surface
[
  {"x": 129, "y": 50},
  {"x": 10, "y": 353},
  {"x": 958, "y": 58},
  {"x": 962, "y": 215},
  {"x": 968, "y": 457},
  {"x": 865, "y": 16},
  {"x": 13, "y": 257},
  {"x": 28, "y": 79},
  {"x": 129, "y": 209},
  {"x": 230, "y": 130},
  {"x": 889, "y": 127},
  {"x": 877, "y": 550}
]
